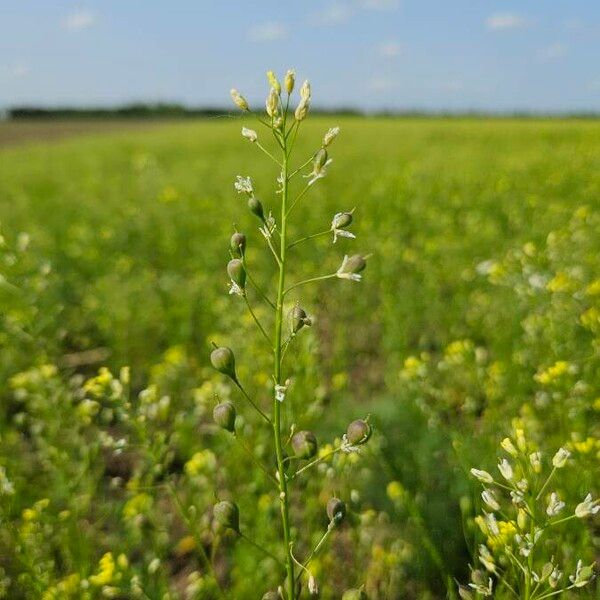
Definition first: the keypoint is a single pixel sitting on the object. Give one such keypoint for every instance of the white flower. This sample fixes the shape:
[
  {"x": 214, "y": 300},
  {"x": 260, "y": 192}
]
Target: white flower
[
  {"x": 243, "y": 185},
  {"x": 486, "y": 559},
  {"x": 269, "y": 227},
  {"x": 587, "y": 507},
  {"x": 555, "y": 577},
  {"x": 313, "y": 586},
  {"x": 249, "y": 134},
  {"x": 6, "y": 486},
  {"x": 491, "y": 523},
  {"x": 517, "y": 499},
  {"x": 347, "y": 447},
  {"x": 560, "y": 458},
  {"x": 235, "y": 289},
  {"x": 482, "y": 476},
  {"x": 555, "y": 505},
  {"x": 505, "y": 469},
  {"x": 330, "y": 136},
  {"x": 489, "y": 498},
  {"x": 318, "y": 172}
]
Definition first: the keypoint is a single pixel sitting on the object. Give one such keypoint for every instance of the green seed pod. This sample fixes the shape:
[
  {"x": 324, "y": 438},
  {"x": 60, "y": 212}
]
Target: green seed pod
[
  {"x": 238, "y": 244},
  {"x": 224, "y": 415},
  {"x": 304, "y": 444},
  {"x": 342, "y": 220},
  {"x": 320, "y": 159},
  {"x": 255, "y": 206},
  {"x": 227, "y": 516},
  {"x": 354, "y": 594},
  {"x": 355, "y": 264},
  {"x": 223, "y": 360},
  {"x": 237, "y": 272},
  {"x": 299, "y": 319},
  {"x": 358, "y": 432},
  {"x": 336, "y": 510}
]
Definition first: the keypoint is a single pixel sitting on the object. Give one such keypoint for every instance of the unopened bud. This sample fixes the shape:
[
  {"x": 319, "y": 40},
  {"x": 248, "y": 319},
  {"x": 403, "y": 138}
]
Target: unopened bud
[
  {"x": 223, "y": 360},
  {"x": 560, "y": 458},
  {"x": 255, "y": 206},
  {"x": 289, "y": 81},
  {"x": 237, "y": 244},
  {"x": 305, "y": 91},
  {"x": 301, "y": 110},
  {"x": 224, "y": 415},
  {"x": 249, "y": 134},
  {"x": 330, "y": 136},
  {"x": 272, "y": 103},
  {"x": 304, "y": 444},
  {"x": 274, "y": 82},
  {"x": 351, "y": 267},
  {"x": 237, "y": 272},
  {"x": 239, "y": 100},
  {"x": 342, "y": 220},
  {"x": 313, "y": 587},
  {"x": 358, "y": 432},
  {"x": 227, "y": 516},
  {"x": 336, "y": 510},
  {"x": 299, "y": 319}
]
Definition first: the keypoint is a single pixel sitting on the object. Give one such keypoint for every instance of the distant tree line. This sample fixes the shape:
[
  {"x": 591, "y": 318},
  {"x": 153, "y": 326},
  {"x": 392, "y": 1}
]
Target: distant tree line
[{"x": 178, "y": 111}]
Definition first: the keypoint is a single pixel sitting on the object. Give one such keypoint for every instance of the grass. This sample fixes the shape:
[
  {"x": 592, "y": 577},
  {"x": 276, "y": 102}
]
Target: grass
[{"x": 128, "y": 233}]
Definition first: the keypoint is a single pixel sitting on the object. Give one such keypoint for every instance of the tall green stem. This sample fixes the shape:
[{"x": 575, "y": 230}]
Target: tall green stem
[{"x": 277, "y": 350}]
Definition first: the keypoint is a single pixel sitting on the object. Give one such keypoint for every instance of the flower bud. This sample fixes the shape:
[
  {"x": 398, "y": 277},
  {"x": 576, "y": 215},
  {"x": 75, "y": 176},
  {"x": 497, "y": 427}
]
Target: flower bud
[
  {"x": 274, "y": 82},
  {"x": 255, "y": 206},
  {"x": 304, "y": 444},
  {"x": 358, "y": 432},
  {"x": 482, "y": 476},
  {"x": 237, "y": 244},
  {"x": 272, "y": 103},
  {"x": 299, "y": 319},
  {"x": 249, "y": 134},
  {"x": 239, "y": 100},
  {"x": 289, "y": 81},
  {"x": 223, "y": 360},
  {"x": 227, "y": 516},
  {"x": 336, "y": 510},
  {"x": 301, "y": 110},
  {"x": 560, "y": 458},
  {"x": 305, "y": 91},
  {"x": 330, "y": 136},
  {"x": 354, "y": 594},
  {"x": 313, "y": 587},
  {"x": 237, "y": 272},
  {"x": 224, "y": 415}
]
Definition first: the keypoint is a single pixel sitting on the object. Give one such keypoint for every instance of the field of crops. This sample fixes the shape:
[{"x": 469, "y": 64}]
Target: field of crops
[{"x": 477, "y": 319}]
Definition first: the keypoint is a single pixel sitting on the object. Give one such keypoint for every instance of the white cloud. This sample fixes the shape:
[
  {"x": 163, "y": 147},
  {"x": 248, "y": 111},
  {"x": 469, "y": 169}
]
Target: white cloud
[
  {"x": 379, "y": 4},
  {"x": 389, "y": 49},
  {"x": 504, "y": 21},
  {"x": 554, "y": 51},
  {"x": 79, "y": 20},
  {"x": 332, "y": 14},
  {"x": 268, "y": 32}
]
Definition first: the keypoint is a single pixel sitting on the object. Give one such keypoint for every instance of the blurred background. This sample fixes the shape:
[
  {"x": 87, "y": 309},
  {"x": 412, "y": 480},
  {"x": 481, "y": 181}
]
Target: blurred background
[{"x": 470, "y": 147}]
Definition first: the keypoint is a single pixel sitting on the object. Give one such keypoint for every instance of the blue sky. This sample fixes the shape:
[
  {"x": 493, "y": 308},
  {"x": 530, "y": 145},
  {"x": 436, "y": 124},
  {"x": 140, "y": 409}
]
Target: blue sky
[{"x": 373, "y": 54}]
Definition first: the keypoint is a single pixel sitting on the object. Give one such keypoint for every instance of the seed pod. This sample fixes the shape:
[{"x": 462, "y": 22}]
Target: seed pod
[
  {"x": 289, "y": 81},
  {"x": 227, "y": 516},
  {"x": 237, "y": 244},
  {"x": 342, "y": 220},
  {"x": 224, "y": 415},
  {"x": 320, "y": 159},
  {"x": 255, "y": 206},
  {"x": 336, "y": 510},
  {"x": 358, "y": 432},
  {"x": 355, "y": 264},
  {"x": 299, "y": 319},
  {"x": 237, "y": 272},
  {"x": 354, "y": 594},
  {"x": 304, "y": 444},
  {"x": 223, "y": 360}
]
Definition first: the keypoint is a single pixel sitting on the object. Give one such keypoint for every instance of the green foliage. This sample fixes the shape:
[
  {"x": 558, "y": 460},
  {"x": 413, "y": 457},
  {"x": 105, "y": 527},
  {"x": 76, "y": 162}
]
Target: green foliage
[{"x": 478, "y": 314}]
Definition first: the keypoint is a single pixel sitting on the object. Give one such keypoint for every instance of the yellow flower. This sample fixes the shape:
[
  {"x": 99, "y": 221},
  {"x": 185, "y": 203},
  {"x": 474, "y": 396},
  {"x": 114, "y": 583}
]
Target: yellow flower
[
  {"x": 106, "y": 571},
  {"x": 395, "y": 490},
  {"x": 586, "y": 446},
  {"x": 561, "y": 282},
  {"x": 593, "y": 289},
  {"x": 507, "y": 530},
  {"x": 203, "y": 461},
  {"x": 554, "y": 372},
  {"x": 139, "y": 504}
]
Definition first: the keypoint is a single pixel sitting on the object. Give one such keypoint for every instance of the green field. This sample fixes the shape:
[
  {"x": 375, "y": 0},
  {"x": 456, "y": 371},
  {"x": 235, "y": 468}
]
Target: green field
[{"x": 478, "y": 315}]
